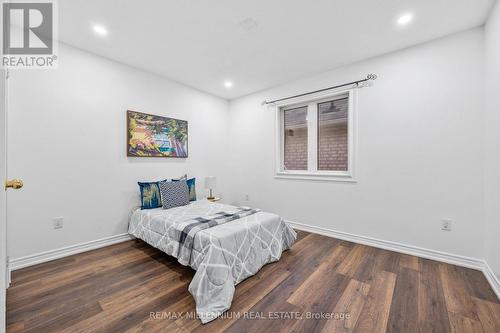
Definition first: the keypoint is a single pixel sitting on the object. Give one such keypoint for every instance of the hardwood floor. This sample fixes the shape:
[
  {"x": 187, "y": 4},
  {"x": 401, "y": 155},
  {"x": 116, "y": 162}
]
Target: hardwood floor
[{"x": 133, "y": 287}]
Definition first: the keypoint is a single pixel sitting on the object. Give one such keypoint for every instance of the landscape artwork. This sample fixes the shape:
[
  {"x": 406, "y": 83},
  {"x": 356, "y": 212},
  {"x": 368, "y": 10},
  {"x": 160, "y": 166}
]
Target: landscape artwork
[{"x": 155, "y": 136}]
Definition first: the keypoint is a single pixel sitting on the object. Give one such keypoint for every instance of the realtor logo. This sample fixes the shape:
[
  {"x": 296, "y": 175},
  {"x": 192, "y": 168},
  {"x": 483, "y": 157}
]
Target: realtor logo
[{"x": 28, "y": 34}]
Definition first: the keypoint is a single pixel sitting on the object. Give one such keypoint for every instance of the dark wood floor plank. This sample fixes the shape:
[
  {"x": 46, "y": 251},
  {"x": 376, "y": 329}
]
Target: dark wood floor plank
[
  {"x": 64, "y": 280},
  {"x": 86, "y": 259},
  {"x": 488, "y": 314},
  {"x": 403, "y": 316},
  {"x": 67, "y": 297},
  {"x": 128, "y": 314},
  {"x": 309, "y": 252},
  {"x": 165, "y": 319},
  {"x": 316, "y": 294},
  {"x": 15, "y": 327},
  {"x": 321, "y": 300},
  {"x": 387, "y": 261},
  {"x": 67, "y": 319},
  {"x": 351, "y": 303},
  {"x": 408, "y": 261},
  {"x": 353, "y": 260},
  {"x": 44, "y": 311},
  {"x": 477, "y": 285},
  {"x": 432, "y": 311},
  {"x": 461, "y": 324},
  {"x": 368, "y": 266},
  {"x": 116, "y": 288},
  {"x": 143, "y": 312},
  {"x": 375, "y": 313},
  {"x": 156, "y": 326},
  {"x": 304, "y": 295},
  {"x": 455, "y": 290},
  {"x": 280, "y": 319}
]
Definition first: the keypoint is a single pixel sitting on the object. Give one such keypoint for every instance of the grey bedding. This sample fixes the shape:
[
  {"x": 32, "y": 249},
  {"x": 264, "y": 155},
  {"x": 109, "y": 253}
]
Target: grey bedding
[{"x": 223, "y": 255}]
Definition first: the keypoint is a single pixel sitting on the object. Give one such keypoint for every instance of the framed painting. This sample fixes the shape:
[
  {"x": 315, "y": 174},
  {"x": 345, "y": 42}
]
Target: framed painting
[{"x": 156, "y": 136}]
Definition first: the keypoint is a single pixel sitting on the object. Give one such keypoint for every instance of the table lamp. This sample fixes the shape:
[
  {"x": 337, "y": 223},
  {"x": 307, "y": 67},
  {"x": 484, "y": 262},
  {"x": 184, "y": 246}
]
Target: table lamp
[{"x": 210, "y": 185}]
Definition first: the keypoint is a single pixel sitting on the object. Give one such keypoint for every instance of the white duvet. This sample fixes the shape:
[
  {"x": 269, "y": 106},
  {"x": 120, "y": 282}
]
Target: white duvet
[{"x": 222, "y": 256}]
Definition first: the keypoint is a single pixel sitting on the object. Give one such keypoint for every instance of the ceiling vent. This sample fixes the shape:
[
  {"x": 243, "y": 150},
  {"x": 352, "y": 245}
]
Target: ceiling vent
[{"x": 248, "y": 24}]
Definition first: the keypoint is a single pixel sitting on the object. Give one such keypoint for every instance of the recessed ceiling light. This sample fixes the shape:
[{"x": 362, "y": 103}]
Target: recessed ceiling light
[
  {"x": 405, "y": 19},
  {"x": 100, "y": 30},
  {"x": 228, "y": 84}
]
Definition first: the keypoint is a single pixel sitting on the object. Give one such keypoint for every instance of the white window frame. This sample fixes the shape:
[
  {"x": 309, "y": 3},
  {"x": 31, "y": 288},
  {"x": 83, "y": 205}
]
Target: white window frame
[{"x": 312, "y": 138}]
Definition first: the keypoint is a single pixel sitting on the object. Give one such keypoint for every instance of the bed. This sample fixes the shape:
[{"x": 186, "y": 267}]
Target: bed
[{"x": 222, "y": 255}]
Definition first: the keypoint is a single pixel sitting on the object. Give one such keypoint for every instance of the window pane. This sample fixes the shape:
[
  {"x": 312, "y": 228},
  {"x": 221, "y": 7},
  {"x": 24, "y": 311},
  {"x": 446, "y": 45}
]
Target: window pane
[
  {"x": 332, "y": 135},
  {"x": 295, "y": 131}
]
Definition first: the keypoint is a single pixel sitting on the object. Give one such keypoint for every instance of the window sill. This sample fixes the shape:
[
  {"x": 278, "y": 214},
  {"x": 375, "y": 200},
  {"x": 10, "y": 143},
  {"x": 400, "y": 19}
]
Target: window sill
[{"x": 343, "y": 178}]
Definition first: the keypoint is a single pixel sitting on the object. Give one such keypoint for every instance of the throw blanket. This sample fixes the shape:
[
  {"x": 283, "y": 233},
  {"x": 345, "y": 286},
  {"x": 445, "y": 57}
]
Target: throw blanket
[{"x": 185, "y": 232}]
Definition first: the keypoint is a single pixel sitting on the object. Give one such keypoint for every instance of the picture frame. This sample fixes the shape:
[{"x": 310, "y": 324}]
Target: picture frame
[{"x": 151, "y": 135}]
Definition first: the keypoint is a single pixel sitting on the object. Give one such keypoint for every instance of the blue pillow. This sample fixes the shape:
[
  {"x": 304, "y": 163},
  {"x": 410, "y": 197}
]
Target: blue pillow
[
  {"x": 150, "y": 195},
  {"x": 191, "y": 183}
]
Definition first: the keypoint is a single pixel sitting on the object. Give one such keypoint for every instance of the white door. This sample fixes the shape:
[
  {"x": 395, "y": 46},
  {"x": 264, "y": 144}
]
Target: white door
[{"x": 3, "y": 203}]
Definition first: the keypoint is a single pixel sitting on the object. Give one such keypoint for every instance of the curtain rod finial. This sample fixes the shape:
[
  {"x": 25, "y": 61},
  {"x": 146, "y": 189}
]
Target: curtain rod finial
[{"x": 371, "y": 77}]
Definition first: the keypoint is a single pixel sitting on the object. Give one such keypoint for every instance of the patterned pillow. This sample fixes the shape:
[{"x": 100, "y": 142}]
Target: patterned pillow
[
  {"x": 150, "y": 195},
  {"x": 191, "y": 183},
  {"x": 174, "y": 194}
]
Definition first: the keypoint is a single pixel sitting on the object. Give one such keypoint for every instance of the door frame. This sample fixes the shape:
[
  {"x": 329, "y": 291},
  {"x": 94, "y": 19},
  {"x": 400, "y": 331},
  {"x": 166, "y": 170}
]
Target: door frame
[{"x": 4, "y": 278}]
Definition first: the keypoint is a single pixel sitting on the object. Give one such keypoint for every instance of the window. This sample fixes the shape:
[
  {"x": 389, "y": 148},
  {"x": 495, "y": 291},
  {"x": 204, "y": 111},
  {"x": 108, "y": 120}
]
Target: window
[
  {"x": 316, "y": 138},
  {"x": 332, "y": 134},
  {"x": 295, "y": 139}
]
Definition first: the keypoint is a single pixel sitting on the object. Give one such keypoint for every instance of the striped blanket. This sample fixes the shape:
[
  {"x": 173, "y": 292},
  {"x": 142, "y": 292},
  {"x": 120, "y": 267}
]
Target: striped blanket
[{"x": 184, "y": 232}]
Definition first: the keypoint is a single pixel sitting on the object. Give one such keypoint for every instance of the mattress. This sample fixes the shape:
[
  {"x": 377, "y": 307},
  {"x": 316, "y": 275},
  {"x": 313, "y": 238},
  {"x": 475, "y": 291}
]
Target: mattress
[{"x": 223, "y": 255}]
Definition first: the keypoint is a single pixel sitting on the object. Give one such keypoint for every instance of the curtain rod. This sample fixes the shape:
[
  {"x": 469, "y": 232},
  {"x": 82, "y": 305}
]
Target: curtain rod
[{"x": 369, "y": 77}]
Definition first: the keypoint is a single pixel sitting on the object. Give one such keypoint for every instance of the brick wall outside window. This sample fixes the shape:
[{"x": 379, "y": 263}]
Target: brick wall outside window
[
  {"x": 296, "y": 149},
  {"x": 332, "y": 147}
]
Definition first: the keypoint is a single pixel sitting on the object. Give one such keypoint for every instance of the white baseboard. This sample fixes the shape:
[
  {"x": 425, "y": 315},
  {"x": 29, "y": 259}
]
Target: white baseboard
[
  {"x": 42, "y": 257},
  {"x": 454, "y": 259},
  {"x": 393, "y": 246},
  {"x": 492, "y": 278}
]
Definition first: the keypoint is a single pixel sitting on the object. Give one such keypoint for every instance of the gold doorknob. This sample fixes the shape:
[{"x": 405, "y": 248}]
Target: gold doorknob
[{"x": 14, "y": 183}]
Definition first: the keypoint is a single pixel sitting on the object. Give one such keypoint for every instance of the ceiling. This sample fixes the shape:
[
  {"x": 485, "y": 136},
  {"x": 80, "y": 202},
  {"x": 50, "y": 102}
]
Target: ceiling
[{"x": 256, "y": 44}]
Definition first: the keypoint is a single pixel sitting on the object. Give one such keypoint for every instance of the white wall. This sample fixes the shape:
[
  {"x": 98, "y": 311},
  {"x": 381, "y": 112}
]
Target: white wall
[
  {"x": 420, "y": 150},
  {"x": 492, "y": 141},
  {"x": 67, "y": 131}
]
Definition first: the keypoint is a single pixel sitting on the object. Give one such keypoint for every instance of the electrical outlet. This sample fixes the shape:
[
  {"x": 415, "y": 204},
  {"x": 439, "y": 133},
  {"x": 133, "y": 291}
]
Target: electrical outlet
[
  {"x": 58, "y": 222},
  {"x": 446, "y": 224},
  {"x": 247, "y": 197}
]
